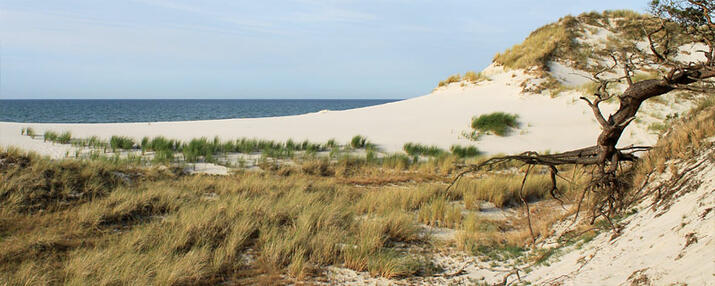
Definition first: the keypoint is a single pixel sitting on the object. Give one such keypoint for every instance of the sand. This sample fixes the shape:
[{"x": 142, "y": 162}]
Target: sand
[{"x": 439, "y": 118}]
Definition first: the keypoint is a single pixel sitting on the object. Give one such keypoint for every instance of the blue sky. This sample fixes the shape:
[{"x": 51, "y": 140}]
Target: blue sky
[{"x": 259, "y": 49}]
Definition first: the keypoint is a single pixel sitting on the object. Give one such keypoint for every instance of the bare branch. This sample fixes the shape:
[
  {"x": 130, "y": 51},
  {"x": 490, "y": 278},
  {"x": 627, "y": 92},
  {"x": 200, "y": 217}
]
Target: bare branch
[{"x": 596, "y": 111}]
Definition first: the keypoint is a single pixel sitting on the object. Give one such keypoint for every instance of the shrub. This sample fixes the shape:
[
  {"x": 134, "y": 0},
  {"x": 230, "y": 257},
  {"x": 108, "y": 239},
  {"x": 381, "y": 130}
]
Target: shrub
[
  {"x": 358, "y": 141},
  {"x": 464, "y": 152},
  {"x": 415, "y": 149},
  {"x": 497, "y": 122}
]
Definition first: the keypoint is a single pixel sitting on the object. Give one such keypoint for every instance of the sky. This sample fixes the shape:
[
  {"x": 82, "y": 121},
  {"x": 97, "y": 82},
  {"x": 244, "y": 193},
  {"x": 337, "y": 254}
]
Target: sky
[{"x": 290, "y": 49}]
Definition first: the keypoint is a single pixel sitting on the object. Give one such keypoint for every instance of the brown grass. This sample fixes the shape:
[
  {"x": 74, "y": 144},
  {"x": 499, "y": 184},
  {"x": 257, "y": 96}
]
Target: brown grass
[{"x": 681, "y": 141}]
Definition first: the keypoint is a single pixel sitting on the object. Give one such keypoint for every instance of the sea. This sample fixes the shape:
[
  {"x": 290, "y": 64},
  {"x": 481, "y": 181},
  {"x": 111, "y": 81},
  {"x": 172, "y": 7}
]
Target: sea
[{"x": 154, "y": 110}]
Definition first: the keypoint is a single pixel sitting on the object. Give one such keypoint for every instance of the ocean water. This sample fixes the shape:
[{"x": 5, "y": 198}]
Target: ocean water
[{"x": 152, "y": 110}]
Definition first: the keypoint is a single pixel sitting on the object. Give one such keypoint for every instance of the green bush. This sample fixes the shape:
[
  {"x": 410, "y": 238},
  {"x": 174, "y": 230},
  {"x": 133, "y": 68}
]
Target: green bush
[{"x": 497, "y": 122}]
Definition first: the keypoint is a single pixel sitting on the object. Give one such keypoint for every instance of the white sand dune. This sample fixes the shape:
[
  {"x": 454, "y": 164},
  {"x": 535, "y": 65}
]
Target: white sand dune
[
  {"x": 659, "y": 246},
  {"x": 439, "y": 118}
]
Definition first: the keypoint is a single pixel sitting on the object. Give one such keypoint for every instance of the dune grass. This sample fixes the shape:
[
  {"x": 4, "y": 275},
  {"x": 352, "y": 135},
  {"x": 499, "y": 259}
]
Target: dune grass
[
  {"x": 498, "y": 123},
  {"x": 686, "y": 136},
  {"x": 29, "y": 132},
  {"x": 121, "y": 142},
  {"x": 359, "y": 141},
  {"x": 416, "y": 149},
  {"x": 115, "y": 223},
  {"x": 58, "y": 219},
  {"x": 451, "y": 79},
  {"x": 64, "y": 138},
  {"x": 503, "y": 190},
  {"x": 464, "y": 151},
  {"x": 50, "y": 136},
  {"x": 474, "y": 77},
  {"x": 540, "y": 46}
]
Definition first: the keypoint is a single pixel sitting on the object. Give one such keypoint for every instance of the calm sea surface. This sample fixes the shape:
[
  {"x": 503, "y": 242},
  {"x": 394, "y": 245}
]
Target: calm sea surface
[{"x": 128, "y": 110}]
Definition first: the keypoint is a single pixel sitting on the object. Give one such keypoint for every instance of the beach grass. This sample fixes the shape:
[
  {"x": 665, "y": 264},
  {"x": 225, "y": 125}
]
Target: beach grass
[
  {"x": 29, "y": 132},
  {"x": 451, "y": 79},
  {"x": 416, "y": 149},
  {"x": 358, "y": 141},
  {"x": 464, "y": 151},
  {"x": 474, "y": 77},
  {"x": 541, "y": 46},
  {"x": 64, "y": 138},
  {"x": 184, "y": 229},
  {"x": 50, "y": 136},
  {"x": 121, "y": 142},
  {"x": 498, "y": 123}
]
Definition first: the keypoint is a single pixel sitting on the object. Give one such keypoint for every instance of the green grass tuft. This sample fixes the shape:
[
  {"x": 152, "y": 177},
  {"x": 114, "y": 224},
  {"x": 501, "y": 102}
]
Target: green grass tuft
[
  {"x": 498, "y": 122},
  {"x": 358, "y": 141},
  {"x": 416, "y": 149},
  {"x": 464, "y": 152},
  {"x": 121, "y": 142}
]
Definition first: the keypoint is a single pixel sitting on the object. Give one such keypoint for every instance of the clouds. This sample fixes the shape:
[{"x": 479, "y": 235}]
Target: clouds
[{"x": 255, "y": 49}]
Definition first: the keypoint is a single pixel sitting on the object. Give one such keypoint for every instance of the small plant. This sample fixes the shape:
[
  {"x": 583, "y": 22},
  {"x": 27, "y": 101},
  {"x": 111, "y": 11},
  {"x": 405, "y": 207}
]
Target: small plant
[
  {"x": 464, "y": 152},
  {"x": 498, "y": 122},
  {"x": 358, "y": 142}
]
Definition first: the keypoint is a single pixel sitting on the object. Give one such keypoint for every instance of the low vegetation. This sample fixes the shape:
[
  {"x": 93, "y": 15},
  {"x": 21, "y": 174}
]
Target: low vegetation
[
  {"x": 74, "y": 222},
  {"x": 451, "y": 79},
  {"x": 359, "y": 141},
  {"x": 111, "y": 222},
  {"x": 552, "y": 40},
  {"x": 416, "y": 149},
  {"x": 499, "y": 123},
  {"x": 121, "y": 142},
  {"x": 464, "y": 151},
  {"x": 470, "y": 76}
]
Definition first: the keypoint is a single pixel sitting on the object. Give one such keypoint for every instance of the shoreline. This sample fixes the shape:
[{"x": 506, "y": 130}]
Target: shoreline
[{"x": 213, "y": 119}]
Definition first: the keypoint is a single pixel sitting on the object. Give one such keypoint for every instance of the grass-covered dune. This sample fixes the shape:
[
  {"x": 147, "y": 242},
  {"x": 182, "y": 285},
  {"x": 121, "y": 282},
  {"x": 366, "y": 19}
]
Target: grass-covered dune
[{"x": 101, "y": 222}]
